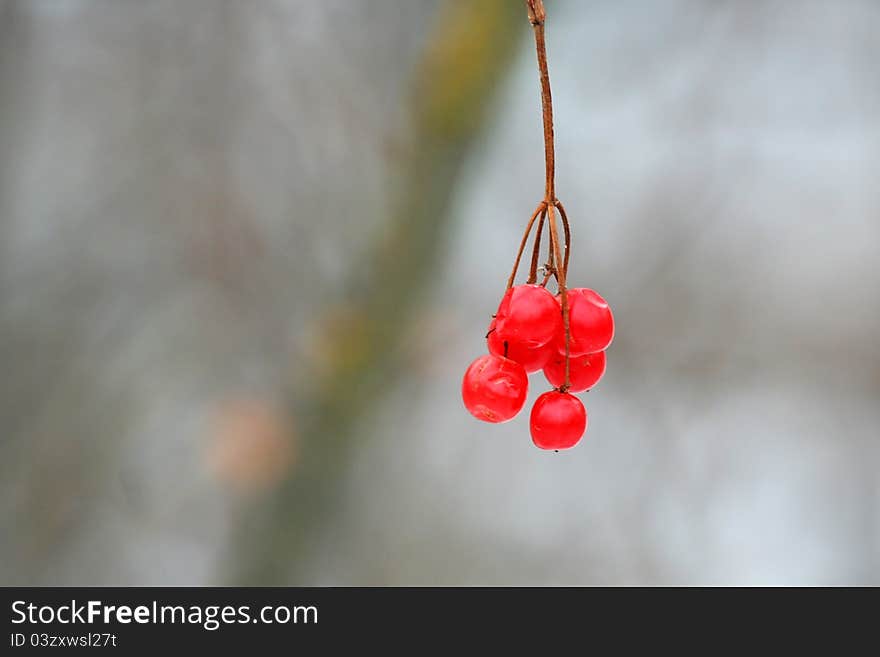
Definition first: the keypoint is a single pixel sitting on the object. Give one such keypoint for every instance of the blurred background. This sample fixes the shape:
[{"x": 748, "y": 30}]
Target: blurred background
[{"x": 247, "y": 250}]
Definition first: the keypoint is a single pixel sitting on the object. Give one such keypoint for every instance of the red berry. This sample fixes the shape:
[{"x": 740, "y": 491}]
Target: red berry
[
  {"x": 583, "y": 372},
  {"x": 533, "y": 359},
  {"x": 494, "y": 388},
  {"x": 590, "y": 322},
  {"x": 558, "y": 420},
  {"x": 528, "y": 317}
]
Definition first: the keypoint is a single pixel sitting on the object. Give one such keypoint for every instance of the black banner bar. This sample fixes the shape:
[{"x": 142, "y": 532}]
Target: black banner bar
[{"x": 323, "y": 618}]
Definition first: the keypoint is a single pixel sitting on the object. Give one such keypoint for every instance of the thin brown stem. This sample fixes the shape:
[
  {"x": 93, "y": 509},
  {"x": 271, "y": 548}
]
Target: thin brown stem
[
  {"x": 559, "y": 262},
  {"x": 522, "y": 245},
  {"x": 567, "y": 230},
  {"x": 563, "y": 292},
  {"x": 550, "y": 267},
  {"x": 536, "y": 250},
  {"x": 537, "y": 17}
]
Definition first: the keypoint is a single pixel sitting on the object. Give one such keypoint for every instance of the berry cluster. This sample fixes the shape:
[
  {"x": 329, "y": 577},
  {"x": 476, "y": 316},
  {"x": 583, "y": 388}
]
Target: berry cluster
[
  {"x": 526, "y": 335},
  {"x": 565, "y": 335}
]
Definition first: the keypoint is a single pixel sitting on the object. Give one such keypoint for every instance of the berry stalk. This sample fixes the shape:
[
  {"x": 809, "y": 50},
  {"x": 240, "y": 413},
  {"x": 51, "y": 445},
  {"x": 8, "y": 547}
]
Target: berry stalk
[
  {"x": 537, "y": 16},
  {"x": 563, "y": 293},
  {"x": 559, "y": 265},
  {"x": 541, "y": 209},
  {"x": 536, "y": 248}
]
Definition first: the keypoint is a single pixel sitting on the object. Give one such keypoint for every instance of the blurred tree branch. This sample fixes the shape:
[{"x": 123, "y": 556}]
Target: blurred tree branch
[{"x": 464, "y": 58}]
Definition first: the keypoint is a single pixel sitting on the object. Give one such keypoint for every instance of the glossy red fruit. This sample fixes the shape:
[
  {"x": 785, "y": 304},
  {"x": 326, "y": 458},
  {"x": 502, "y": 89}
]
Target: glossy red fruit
[
  {"x": 584, "y": 371},
  {"x": 529, "y": 317},
  {"x": 558, "y": 420},
  {"x": 494, "y": 388},
  {"x": 590, "y": 322},
  {"x": 531, "y": 358}
]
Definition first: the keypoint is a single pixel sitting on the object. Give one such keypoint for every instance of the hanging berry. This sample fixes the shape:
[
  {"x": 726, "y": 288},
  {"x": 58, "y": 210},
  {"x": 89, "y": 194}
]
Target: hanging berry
[
  {"x": 558, "y": 420},
  {"x": 565, "y": 335},
  {"x": 494, "y": 388}
]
